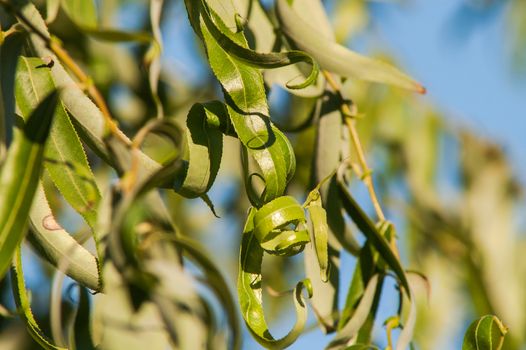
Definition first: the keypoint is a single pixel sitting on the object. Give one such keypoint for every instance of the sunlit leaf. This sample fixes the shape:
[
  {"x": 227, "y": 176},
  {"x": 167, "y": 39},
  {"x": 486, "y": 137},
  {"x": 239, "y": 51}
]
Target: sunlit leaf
[
  {"x": 250, "y": 293},
  {"x": 57, "y": 246},
  {"x": 486, "y": 333},
  {"x": 19, "y": 177},
  {"x": 336, "y": 58},
  {"x": 65, "y": 159}
]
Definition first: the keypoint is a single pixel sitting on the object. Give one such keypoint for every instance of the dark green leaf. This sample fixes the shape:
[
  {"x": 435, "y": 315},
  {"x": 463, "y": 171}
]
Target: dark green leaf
[
  {"x": 19, "y": 177},
  {"x": 486, "y": 333},
  {"x": 371, "y": 232}
]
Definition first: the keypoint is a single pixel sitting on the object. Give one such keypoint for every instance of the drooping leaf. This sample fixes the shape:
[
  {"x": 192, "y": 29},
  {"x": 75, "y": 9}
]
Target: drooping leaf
[
  {"x": 203, "y": 148},
  {"x": 376, "y": 239},
  {"x": 86, "y": 117},
  {"x": 320, "y": 233},
  {"x": 250, "y": 292},
  {"x": 65, "y": 159},
  {"x": 19, "y": 177},
  {"x": 239, "y": 49},
  {"x": 57, "y": 246},
  {"x": 80, "y": 334},
  {"x": 486, "y": 333},
  {"x": 248, "y": 110},
  {"x": 9, "y": 50},
  {"x": 359, "y": 317},
  {"x": 336, "y": 58},
  {"x": 24, "y": 307}
]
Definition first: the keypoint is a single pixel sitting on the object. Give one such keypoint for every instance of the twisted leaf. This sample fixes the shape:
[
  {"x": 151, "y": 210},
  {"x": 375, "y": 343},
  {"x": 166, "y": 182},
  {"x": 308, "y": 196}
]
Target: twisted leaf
[
  {"x": 203, "y": 148},
  {"x": 239, "y": 49},
  {"x": 250, "y": 292},
  {"x": 248, "y": 110},
  {"x": 279, "y": 227}
]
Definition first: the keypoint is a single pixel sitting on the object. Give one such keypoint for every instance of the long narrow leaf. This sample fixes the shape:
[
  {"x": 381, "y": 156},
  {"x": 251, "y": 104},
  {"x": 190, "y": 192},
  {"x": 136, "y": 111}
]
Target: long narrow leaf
[
  {"x": 371, "y": 232},
  {"x": 65, "y": 158},
  {"x": 19, "y": 177},
  {"x": 336, "y": 58},
  {"x": 22, "y": 302}
]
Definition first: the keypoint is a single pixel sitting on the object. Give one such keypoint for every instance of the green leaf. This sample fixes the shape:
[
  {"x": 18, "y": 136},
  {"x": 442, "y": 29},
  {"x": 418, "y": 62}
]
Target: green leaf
[
  {"x": 371, "y": 232},
  {"x": 82, "y": 12},
  {"x": 250, "y": 292},
  {"x": 248, "y": 110},
  {"x": 19, "y": 177},
  {"x": 359, "y": 317},
  {"x": 337, "y": 58},
  {"x": 486, "y": 333},
  {"x": 279, "y": 227},
  {"x": 52, "y": 7},
  {"x": 57, "y": 246},
  {"x": 80, "y": 333},
  {"x": 320, "y": 234},
  {"x": 65, "y": 159},
  {"x": 238, "y": 49},
  {"x": 203, "y": 148},
  {"x": 23, "y": 305},
  {"x": 86, "y": 117},
  {"x": 9, "y": 52}
]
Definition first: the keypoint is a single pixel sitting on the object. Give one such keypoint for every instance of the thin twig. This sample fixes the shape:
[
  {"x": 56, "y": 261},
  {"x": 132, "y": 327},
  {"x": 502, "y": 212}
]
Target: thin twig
[{"x": 349, "y": 118}]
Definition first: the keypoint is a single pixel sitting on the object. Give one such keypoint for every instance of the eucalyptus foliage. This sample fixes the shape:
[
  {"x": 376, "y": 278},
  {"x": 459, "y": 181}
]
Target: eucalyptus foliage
[{"x": 152, "y": 282}]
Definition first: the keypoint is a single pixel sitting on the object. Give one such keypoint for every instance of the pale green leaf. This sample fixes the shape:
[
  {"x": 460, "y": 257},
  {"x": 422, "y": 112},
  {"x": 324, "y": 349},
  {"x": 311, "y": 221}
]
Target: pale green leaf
[
  {"x": 57, "y": 246},
  {"x": 65, "y": 159},
  {"x": 336, "y": 58}
]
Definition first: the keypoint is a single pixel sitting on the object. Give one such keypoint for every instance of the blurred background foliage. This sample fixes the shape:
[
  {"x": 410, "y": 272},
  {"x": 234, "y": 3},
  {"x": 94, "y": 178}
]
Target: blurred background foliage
[{"x": 454, "y": 196}]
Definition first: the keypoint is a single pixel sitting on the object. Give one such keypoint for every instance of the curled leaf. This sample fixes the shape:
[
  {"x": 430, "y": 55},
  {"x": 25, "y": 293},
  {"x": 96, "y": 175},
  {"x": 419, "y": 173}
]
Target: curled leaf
[
  {"x": 203, "y": 148},
  {"x": 250, "y": 293},
  {"x": 237, "y": 49},
  {"x": 279, "y": 227}
]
